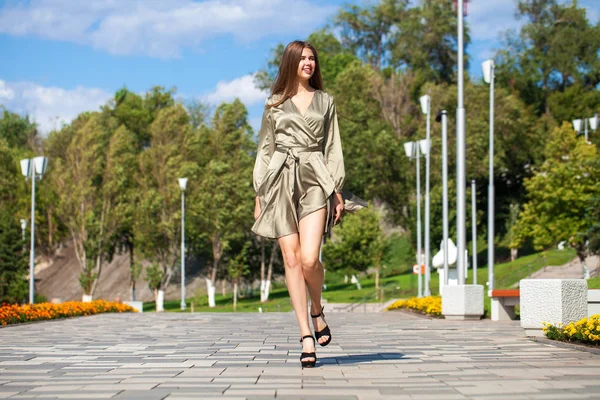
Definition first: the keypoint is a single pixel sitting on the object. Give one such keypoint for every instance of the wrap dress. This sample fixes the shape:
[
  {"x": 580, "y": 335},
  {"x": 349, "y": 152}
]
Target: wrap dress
[{"x": 299, "y": 165}]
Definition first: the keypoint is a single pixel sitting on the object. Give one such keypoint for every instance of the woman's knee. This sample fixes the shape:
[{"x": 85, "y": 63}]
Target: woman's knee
[
  {"x": 309, "y": 261},
  {"x": 292, "y": 259}
]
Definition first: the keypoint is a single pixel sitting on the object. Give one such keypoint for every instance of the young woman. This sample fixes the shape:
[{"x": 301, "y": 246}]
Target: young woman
[{"x": 298, "y": 178}]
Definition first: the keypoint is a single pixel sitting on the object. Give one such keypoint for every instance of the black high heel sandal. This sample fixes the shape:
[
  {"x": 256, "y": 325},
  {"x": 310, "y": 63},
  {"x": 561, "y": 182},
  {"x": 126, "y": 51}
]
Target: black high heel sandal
[
  {"x": 324, "y": 332},
  {"x": 308, "y": 364}
]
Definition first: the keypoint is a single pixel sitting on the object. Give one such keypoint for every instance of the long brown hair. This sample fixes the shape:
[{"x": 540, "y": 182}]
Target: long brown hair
[{"x": 286, "y": 82}]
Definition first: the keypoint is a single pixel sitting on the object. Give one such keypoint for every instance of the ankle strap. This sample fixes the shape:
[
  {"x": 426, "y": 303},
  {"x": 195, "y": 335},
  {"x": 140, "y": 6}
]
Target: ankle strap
[
  {"x": 319, "y": 314},
  {"x": 307, "y": 336}
]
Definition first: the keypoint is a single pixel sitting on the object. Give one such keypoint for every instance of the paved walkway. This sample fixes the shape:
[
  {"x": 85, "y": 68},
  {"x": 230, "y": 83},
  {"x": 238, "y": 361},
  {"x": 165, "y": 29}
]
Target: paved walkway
[{"x": 255, "y": 356}]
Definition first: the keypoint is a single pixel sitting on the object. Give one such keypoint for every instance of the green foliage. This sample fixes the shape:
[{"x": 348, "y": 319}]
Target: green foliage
[
  {"x": 13, "y": 260},
  {"x": 18, "y": 132},
  {"x": 87, "y": 277},
  {"x": 556, "y": 48},
  {"x": 154, "y": 276},
  {"x": 357, "y": 244},
  {"x": 559, "y": 192}
]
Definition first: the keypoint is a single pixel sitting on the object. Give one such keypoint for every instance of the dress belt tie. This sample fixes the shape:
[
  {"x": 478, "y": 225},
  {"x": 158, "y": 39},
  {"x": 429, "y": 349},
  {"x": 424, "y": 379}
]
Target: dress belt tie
[{"x": 292, "y": 160}]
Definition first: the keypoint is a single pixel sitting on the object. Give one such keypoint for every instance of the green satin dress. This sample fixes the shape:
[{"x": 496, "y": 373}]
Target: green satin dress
[{"x": 299, "y": 165}]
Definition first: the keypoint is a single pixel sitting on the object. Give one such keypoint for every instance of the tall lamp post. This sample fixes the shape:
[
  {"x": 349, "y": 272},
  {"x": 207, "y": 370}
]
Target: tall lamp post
[
  {"x": 413, "y": 150},
  {"x": 34, "y": 169},
  {"x": 182, "y": 186},
  {"x": 488, "y": 77},
  {"x": 443, "y": 118},
  {"x": 426, "y": 109},
  {"x": 460, "y": 154},
  {"x": 593, "y": 123}
]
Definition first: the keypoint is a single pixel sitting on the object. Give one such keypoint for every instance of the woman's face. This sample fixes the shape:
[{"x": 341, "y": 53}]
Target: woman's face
[{"x": 306, "y": 68}]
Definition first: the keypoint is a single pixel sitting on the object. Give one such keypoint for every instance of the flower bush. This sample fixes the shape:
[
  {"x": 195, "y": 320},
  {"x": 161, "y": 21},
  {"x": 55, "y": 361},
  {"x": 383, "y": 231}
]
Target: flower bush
[
  {"x": 431, "y": 305},
  {"x": 586, "y": 330},
  {"x": 14, "y": 313}
]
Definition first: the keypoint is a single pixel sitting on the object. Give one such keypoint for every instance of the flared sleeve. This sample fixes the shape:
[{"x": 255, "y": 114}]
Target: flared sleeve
[
  {"x": 266, "y": 147},
  {"x": 334, "y": 159}
]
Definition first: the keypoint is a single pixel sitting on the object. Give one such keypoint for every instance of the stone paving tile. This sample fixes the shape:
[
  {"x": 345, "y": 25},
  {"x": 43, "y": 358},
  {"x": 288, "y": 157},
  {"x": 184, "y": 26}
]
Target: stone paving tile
[{"x": 251, "y": 356}]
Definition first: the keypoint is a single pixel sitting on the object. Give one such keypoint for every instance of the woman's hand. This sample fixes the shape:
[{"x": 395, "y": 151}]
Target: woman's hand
[
  {"x": 338, "y": 206},
  {"x": 256, "y": 208}
]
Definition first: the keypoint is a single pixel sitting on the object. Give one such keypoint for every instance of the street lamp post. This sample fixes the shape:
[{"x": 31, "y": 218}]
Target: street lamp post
[
  {"x": 412, "y": 150},
  {"x": 460, "y": 154},
  {"x": 182, "y": 186},
  {"x": 474, "y": 228},
  {"x": 426, "y": 109},
  {"x": 443, "y": 118},
  {"x": 593, "y": 123},
  {"x": 34, "y": 169},
  {"x": 488, "y": 77}
]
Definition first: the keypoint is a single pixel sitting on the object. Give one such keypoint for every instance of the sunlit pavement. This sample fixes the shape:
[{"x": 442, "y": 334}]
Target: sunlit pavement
[{"x": 392, "y": 355}]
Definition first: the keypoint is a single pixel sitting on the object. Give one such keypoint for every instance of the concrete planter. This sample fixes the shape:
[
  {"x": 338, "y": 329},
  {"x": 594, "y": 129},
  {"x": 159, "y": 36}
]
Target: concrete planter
[
  {"x": 593, "y": 302},
  {"x": 554, "y": 301},
  {"x": 462, "y": 302},
  {"x": 137, "y": 305}
]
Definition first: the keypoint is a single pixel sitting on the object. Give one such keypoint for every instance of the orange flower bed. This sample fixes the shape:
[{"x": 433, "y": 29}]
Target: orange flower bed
[{"x": 14, "y": 313}]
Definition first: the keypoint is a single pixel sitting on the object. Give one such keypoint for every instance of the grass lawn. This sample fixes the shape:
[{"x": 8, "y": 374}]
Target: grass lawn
[
  {"x": 396, "y": 286},
  {"x": 594, "y": 283}
]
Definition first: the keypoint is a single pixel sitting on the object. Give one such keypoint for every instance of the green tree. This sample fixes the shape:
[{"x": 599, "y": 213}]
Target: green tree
[
  {"x": 357, "y": 244},
  {"x": 13, "y": 260},
  {"x": 237, "y": 268},
  {"x": 82, "y": 206},
  {"x": 555, "y": 49},
  {"x": 222, "y": 211},
  {"x": 120, "y": 190},
  {"x": 559, "y": 193},
  {"x": 425, "y": 41},
  {"x": 157, "y": 227}
]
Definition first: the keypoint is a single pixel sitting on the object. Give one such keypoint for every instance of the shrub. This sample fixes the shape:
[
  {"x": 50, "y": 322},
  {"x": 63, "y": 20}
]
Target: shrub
[
  {"x": 14, "y": 313},
  {"x": 431, "y": 305}
]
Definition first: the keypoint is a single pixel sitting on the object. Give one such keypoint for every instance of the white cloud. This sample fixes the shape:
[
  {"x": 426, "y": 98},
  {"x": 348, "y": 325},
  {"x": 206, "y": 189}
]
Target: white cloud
[
  {"x": 158, "y": 28},
  {"x": 50, "y": 107},
  {"x": 242, "y": 88}
]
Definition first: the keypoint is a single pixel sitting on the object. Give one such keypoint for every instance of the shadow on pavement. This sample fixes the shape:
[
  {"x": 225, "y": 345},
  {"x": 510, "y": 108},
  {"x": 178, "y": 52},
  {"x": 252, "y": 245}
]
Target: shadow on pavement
[{"x": 361, "y": 358}]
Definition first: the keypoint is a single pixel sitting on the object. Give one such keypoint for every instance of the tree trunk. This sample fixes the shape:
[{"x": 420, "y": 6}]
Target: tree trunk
[
  {"x": 100, "y": 257},
  {"x": 267, "y": 286},
  {"x": 223, "y": 293},
  {"x": 131, "y": 275},
  {"x": 217, "y": 254},
  {"x": 377, "y": 270},
  {"x": 582, "y": 255},
  {"x": 210, "y": 289},
  {"x": 235, "y": 294},
  {"x": 262, "y": 270}
]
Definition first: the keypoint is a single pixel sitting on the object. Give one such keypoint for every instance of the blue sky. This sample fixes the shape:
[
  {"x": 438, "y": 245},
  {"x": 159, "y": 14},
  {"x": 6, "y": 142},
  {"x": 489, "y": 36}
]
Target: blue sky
[{"x": 62, "y": 57}]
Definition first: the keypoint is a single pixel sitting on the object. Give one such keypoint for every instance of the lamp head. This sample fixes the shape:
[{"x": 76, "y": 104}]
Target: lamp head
[
  {"x": 425, "y": 102},
  {"x": 488, "y": 70},
  {"x": 424, "y": 145},
  {"x": 577, "y": 125},
  {"x": 26, "y": 167},
  {"x": 40, "y": 165},
  {"x": 182, "y": 183},
  {"x": 409, "y": 149},
  {"x": 594, "y": 122},
  {"x": 23, "y": 223},
  {"x": 438, "y": 117}
]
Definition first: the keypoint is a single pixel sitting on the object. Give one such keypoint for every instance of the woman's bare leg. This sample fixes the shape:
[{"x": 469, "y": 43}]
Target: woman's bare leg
[
  {"x": 290, "y": 249},
  {"x": 311, "y": 234}
]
